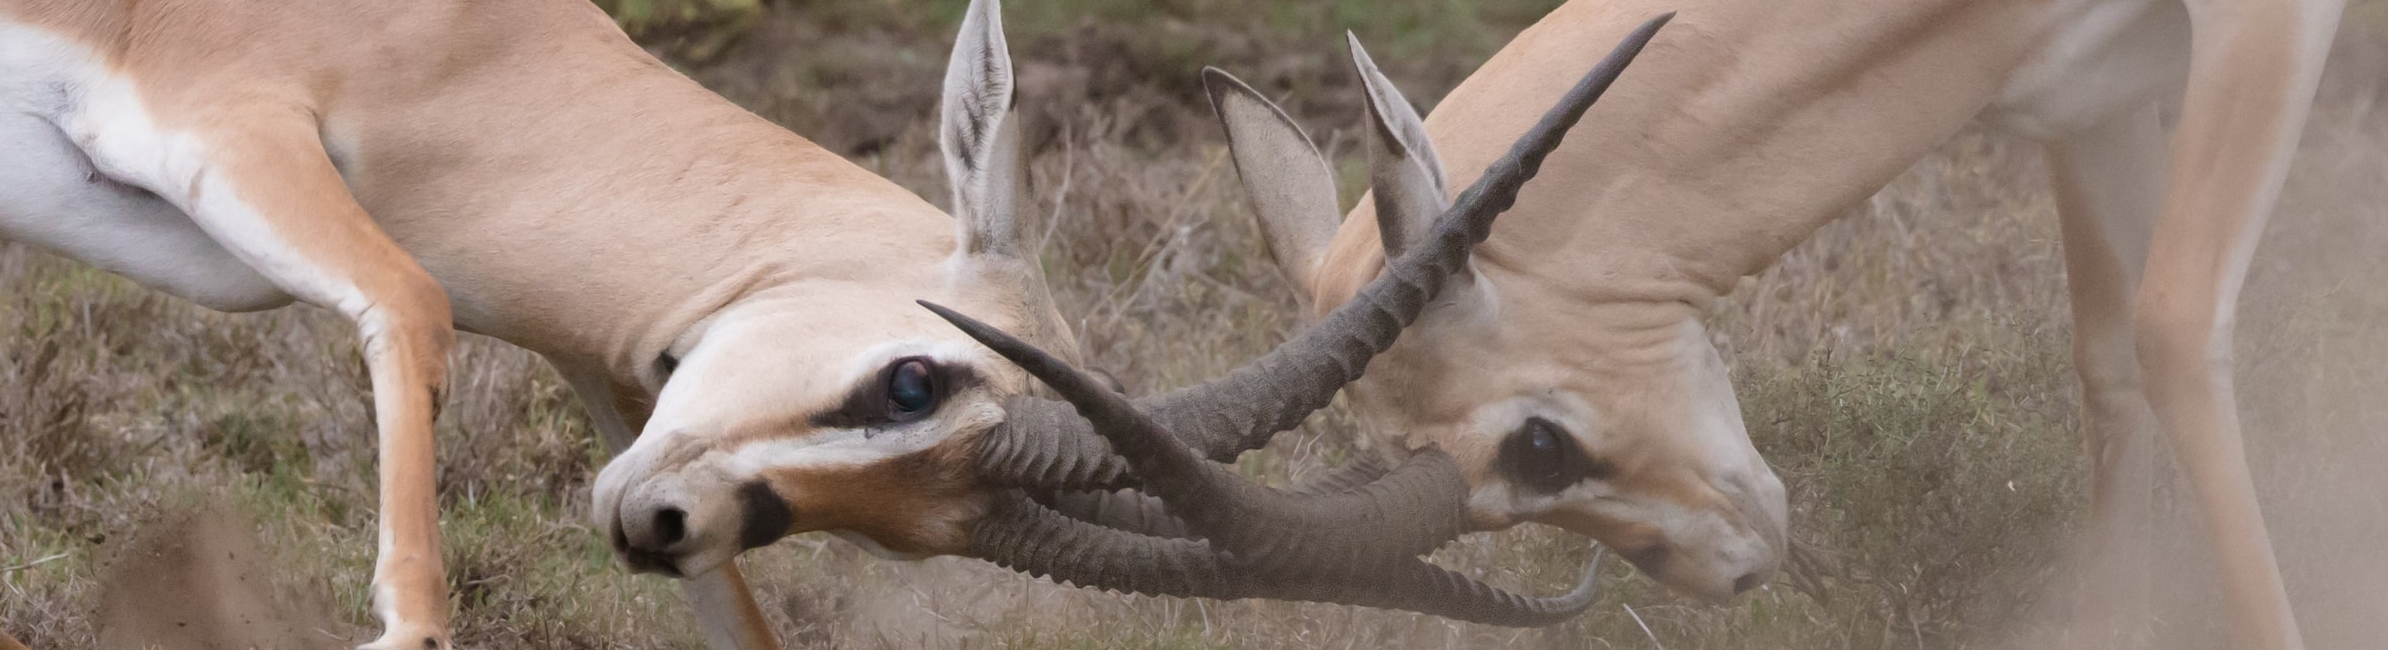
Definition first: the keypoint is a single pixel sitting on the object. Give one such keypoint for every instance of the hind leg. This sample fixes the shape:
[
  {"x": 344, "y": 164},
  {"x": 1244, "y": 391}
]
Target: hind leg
[{"x": 2109, "y": 183}]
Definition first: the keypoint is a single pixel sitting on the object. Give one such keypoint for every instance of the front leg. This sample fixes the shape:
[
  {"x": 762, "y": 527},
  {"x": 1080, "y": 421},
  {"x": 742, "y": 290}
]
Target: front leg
[
  {"x": 257, "y": 180},
  {"x": 726, "y": 610},
  {"x": 2109, "y": 182}
]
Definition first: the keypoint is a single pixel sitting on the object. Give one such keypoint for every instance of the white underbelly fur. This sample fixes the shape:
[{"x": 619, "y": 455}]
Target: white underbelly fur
[{"x": 52, "y": 197}]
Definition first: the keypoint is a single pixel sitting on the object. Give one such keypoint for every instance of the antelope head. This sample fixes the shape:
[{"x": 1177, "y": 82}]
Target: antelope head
[
  {"x": 830, "y": 401},
  {"x": 1612, "y": 420},
  {"x": 907, "y": 436}
]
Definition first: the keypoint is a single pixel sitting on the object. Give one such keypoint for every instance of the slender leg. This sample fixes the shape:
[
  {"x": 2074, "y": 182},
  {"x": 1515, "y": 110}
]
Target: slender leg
[
  {"x": 259, "y": 182},
  {"x": 2252, "y": 72},
  {"x": 2109, "y": 183},
  {"x": 725, "y": 607}
]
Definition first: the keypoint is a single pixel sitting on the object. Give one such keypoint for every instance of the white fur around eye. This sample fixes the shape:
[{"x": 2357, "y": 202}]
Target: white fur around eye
[
  {"x": 1572, "y": 413},
  {"x": 968, "y": 409}
]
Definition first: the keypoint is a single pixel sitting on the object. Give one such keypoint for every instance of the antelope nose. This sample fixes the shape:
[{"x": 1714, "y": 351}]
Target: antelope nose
[
  {"x": 669, "y": 527},
  {"x": 1748, "y": 581},
  {"x": 649, "y": 535}
]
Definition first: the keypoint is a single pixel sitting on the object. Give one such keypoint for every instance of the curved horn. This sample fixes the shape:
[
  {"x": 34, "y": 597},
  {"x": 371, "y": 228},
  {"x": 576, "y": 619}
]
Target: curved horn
[
  {"x": 1020, "y": 534},
  {"x": 1122, "y": 510},
  {"x": 1413, "y": 509},
  {"x": 1040, "y": 445},
  {"x": 1044, "y": 444},
  {"x": 1134, "y": 511}
]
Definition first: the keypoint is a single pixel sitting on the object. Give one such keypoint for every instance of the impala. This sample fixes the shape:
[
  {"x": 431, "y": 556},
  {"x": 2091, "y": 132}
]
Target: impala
[
  {"x": 732, "y": 303},
  {"x": 1569, "y": 373}
]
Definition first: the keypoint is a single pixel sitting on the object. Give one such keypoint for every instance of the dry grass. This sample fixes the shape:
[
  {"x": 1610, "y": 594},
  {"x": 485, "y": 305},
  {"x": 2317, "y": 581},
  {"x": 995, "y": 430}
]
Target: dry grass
[{"x": 1905, "y": 372}]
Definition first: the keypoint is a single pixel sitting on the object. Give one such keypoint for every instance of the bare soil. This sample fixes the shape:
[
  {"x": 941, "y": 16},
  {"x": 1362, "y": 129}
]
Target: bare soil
[{"x": 197, "y": 579}]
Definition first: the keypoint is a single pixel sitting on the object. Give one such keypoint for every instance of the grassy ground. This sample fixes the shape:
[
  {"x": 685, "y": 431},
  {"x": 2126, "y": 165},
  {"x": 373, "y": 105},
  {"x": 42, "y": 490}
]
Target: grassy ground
[{"x": 1905, "y": 371}]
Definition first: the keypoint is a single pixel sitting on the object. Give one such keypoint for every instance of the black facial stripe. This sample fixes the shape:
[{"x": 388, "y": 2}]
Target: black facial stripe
[
  {"x": 867, "y": 404},
  {"x": 767, "y": 518},
  {"x": 1543, "y": 457},
  {"x": 667, "y": 363}
]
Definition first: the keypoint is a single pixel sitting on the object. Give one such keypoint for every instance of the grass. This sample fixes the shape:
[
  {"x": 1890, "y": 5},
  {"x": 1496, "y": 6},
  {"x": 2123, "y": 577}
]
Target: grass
[{"x": 1905, "y": 371}]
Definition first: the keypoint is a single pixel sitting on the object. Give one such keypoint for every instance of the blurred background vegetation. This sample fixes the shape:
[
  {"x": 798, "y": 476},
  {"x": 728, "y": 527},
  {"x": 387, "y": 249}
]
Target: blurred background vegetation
[{"x": 1905, "y": 371}]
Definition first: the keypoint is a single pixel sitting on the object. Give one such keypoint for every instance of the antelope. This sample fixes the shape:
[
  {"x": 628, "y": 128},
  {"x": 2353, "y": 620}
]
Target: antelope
[
  {"x": 731, "y": 302},
  {"x": 1568, "y": 371}
]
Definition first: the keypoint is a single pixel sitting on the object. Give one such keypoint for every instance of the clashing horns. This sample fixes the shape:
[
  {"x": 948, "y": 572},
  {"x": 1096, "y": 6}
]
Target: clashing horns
[
  {"x": 929, "y": 445},
  {"x": 1555, "y": 412}
]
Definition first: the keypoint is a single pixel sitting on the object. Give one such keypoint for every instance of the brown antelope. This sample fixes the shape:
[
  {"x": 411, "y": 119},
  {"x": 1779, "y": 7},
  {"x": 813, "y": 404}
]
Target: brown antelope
[
  {"x": 1569, "y": 374},
  {"x": 732, "y": 303}
]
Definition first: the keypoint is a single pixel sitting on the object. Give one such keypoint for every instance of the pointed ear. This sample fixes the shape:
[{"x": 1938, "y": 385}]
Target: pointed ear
[
  {"x": 1404, "y": 174},
  {"x": 1288, "y": 181},
  {"x": 980, "y": 138}
]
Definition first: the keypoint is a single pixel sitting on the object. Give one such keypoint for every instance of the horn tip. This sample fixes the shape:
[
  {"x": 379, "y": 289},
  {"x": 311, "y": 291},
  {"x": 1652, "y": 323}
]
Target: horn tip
[
  {"x": 951, "y": 316},
  {"x": 1650, "y": 27}
]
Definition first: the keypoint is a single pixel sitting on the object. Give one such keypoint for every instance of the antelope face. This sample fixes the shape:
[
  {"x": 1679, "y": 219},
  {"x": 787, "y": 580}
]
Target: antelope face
[
  {"x": 1616, "y": 422},
  {"x": 829, "y": 399},
  {"x": 1610, "y": 419},
  {"x": 852, "y": 413}
]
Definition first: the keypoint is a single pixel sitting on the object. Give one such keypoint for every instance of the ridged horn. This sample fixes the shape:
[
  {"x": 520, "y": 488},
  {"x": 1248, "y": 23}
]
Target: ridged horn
[
  {"x": 1020, "y": 534},
  {"x": 1134, "y": 511},
  {"x": 1415, "y": 508}
]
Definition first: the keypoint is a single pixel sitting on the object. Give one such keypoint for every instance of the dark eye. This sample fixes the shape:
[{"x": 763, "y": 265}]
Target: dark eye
[
  {"x": 904, "y": 390},
  {"x": 1542, "y": 461},
  {"x": 1542, "y": 457},
  {"x": 911, "y": 390}
]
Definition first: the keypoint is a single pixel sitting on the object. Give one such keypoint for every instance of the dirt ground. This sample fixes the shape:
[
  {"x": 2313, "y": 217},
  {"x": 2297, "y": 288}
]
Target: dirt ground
[{"x": 196, "y": 579}]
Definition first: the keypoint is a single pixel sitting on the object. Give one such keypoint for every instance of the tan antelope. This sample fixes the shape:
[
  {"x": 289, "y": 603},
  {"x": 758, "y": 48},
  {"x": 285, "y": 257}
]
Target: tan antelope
[
  {"x": 732, "y": 303},
  {"x": 1569, "y": 372}
]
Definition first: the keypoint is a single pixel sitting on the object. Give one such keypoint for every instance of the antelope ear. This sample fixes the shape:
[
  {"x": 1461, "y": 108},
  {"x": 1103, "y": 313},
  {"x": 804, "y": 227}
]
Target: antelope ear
[
  {"x": 1288, "y": 181},
  {"x": 980, "y": 138},
  {"x": 1404, "y": 175}
]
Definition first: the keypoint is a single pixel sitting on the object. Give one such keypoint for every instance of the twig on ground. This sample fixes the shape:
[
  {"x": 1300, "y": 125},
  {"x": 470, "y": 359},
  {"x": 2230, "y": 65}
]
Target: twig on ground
[
  {"x": 35, "y": 563},
  {"x": 1637, "y": 621}
]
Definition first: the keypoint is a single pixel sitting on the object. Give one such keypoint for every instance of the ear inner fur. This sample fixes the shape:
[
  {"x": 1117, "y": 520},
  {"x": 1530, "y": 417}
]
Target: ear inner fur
[
  {"x": 1405, "y": 175},
  {"x": 1289, "y": 183}
]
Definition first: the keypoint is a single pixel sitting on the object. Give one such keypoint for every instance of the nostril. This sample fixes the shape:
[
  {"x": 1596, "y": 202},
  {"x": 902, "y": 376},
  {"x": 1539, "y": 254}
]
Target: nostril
[
  {"x": 671, "y": 524},
  {"x": 1747, "y": 582}
]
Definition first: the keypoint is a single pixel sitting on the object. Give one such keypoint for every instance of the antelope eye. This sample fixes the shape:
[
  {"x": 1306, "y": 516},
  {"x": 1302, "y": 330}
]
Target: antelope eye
[
  {"x": 1541, "y": 457},
  {"x": 911, "y": 390},
  {"x": 1543, "y": 440}
]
